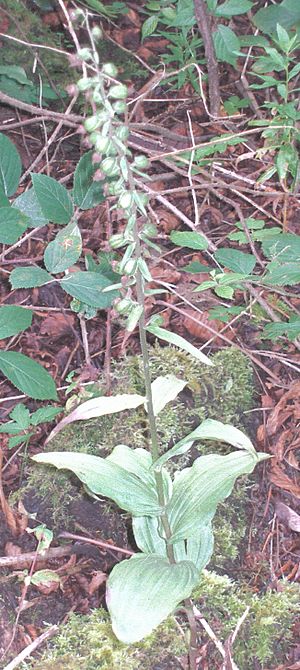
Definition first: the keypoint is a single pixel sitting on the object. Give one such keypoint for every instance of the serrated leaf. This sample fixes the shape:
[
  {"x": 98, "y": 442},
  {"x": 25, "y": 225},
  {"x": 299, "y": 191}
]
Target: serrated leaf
[
  {"x": 87, "y": 193},
  {"x": 21, "y": 415},
  {"x": 89, "y": 288},
  {"x": 149, "y": 26},
  {"x": 18, "y": 439},
  {"x": 165, "y": 389},
  {"x": 236, "y": 260},
  {"x": 96, "y": 407},
  {"x": 284, "y": 247},
  {"x": 10, "y": 166},
  {"x": 28, "y": 203},
  {"x": 29, "y": 277},
  {"x": 286, "y": 14},
  {"x": 65, "y": 250},
  {"x": 44, "y": 414},
  {"x": 195, "y": 267},
  {"x": 192, "y": 240},
  {"x": 227, "y": 45},
  {"x": 233, "y": 8},
  {"x": 287, "y": 274},
  {"x": 53, "y": 198},
  {"x": 198, "y": 490},
  {"x": 27, "y": 375},
  {"x": 13, "y": 224},
  {"x": 291, "y": 329},
  {"x": 143, "y": 591},
  {"x": 178, "y": 341},
  {"x": 14, "y": 320},
  {"x": 108, "y": 479}
]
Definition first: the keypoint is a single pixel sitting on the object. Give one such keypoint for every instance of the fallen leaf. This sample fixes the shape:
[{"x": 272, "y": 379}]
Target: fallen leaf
[
  {"x": 280, "y": 479},
  {"x": 287, "y": 516},
  {"x": 96, "y": 581},
  {"x": 57, "y": 325}
]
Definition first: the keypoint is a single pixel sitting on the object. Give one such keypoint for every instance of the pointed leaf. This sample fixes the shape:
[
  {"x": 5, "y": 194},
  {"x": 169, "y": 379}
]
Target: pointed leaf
[
  {"x": 236, "y": 260},
  {"x": 88, "y": 287},
  {"x": 65, "y": 250},
  {"x": 107, "y": 479},
  {"x": 87, "y": 193},
  {"x": 27, "y": 375},
  {"x": 13, "y": 320},
  {"x": 99, "y": 407},
  {"x": 29, "y": 277},
  {"x": 53, "y": 198},
  {"x": 227, "y": 44},
  {"x": 200, "y": 546},
  {"x": 143, "y": 591},
  {"x": 192, "y": 240},
  {"x": 27, "y": 203},
  {"x": 138, "y": 462},
  {"x": 198, "y": 490},
  {"x": 179, "y": 341},
  {"x": 20, "y": 414},
  {"x": 10, "y": 166},
  {"x": 164, "y": 390},
  {"x": 12, "y": 225}
]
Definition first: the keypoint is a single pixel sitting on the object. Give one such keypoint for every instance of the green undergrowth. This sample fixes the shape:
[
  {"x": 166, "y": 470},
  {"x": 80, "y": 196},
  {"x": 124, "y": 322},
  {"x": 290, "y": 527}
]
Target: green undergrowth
[
  {"x": 223, "y": 392},
  {"x": 88, "y": 643}
]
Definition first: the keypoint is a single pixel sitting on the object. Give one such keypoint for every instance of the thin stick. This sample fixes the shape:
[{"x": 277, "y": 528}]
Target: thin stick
[
  {"x": 203, "y": 21},
  {"x": 98, "y": 543},
  {"x": 32, "y": 647}
]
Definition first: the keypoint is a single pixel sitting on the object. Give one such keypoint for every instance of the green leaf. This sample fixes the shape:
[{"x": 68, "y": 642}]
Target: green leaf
[
  {"x": 89, "y": 288},
  {"x": 13, "y": 320},
  {"x": 165, "y": 389},
  {"x": 44, "y": 577},
  {"x": 53, "y": 198},
  {"x": 286, "y": 161},
  {"x": 29, "y": 277},
  {"x": 236, "y": 260},
  {"x": 12, "y": 225},
  {"x": 284, "y": 247},
  {"x": 143, "y": 591},
  {"x": 28, "y": 203},
  {"x": 87, "y": 193},
  {"x": 108, "y": 479},
  {"x": 291, "y": 328},
  {"x": 286, "y": 13},
  {"x": 101, "y": 406},
  {"x": 210, "y": 429},
  {"x": 227, "y": 45},
  {"x": 199, "y": 547},
  {"x": 179, "y": 341},
  {"x": 198, "y": 490},
  {"x": 17, "y": 73},
  {"x": 18, "y": 439},
  {"x": 21, "y": 415},
  {"x": 44, "y": 414},
  {"x": 65, "y": 250},
  {"x": 195, "y": 267},
  {"x": 27, "y": 375},
  {"x": 189, "y": 239},
  {"x": 233, "y": 7},
  {"x": 226, "y": 292},
  {"x": 10, "y": 166},
  {"x": 149, "y": 26},
  {"x": 138, "y": 462},
  {"x": 287, "y": 274}
]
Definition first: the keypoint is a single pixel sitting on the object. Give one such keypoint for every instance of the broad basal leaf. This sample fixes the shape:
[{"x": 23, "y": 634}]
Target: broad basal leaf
[
  {"x": 65, "y": 250},
  {"x": 96, "y": 407},
  {"x": 165, "y": 389},
  {"x": 53, "y": 199},
  {"x": 198, "y": 490},
  {"x": 13, "y": 320},
  {"x": 28, "y": 203},
  {"x": 10, "y": 166},
  {"x": 107, "y": 479},
  {"x": 143, "y": 591},
  {"x": 87, "y": 193},
  {"x": 138, "y": 462},
  {"x": 27, "y": 375},
  {"x": 88, "y": 287},
  {"x": 12, "y": 225},
  {"x": 29, "y": 277},
  {"x": 179, "y": 341}
]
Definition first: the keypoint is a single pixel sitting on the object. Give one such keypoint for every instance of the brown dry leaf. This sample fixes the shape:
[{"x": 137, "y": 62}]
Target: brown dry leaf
[
  {"x": 96, "y": 581},
  {"x": 287, "y": 516},
  {"x": 196, "y": 323},
  {"x": 277, "y": 418},
  {"x": 280, "y": 479},
  {"x": 167, "y": 220},
  {"x": 57, "y": 325},
  {"x": 12, "y": 549},
  {"x": 166, "y": 274}
]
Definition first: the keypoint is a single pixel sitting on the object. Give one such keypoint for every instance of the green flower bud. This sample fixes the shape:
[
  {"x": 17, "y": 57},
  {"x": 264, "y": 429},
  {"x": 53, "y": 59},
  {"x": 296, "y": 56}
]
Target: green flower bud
[
  {"x": 97, "y": 97},
  {"x": 119, "y": 107},
  {"x": 133, "y": 318},
  {"x": 84, "y": 83},
  {"x": 116, "y": 188},
  {"x": 125, "y": 200},
  {"x": 130, "y": 266},
  {"x": 84, "y": 54},
  {"x": 102, "y": 144},
  {"x": 150, "y": 230},
  {"x": 122, "y": 132},
  {"x": 124, "y": 306},
  {"x": 110, "y": 69},
  {"x": 92, "y": 123},
  {"x": 118, "y": 91},
  {"x": 110, "y": 167},
  {"x": 97, "y": 33},
  {"x": 116, "y": 241},
  {"x": 141, "y": 162}
]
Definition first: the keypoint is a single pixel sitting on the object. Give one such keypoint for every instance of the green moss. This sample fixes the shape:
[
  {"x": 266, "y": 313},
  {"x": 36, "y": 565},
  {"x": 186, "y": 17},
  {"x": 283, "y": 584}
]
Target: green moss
[{"x": 88, "y": 643}]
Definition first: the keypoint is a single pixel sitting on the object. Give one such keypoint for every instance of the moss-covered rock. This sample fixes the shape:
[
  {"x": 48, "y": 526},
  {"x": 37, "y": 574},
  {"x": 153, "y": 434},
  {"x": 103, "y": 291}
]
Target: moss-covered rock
[{"x": 88, "y": 643}]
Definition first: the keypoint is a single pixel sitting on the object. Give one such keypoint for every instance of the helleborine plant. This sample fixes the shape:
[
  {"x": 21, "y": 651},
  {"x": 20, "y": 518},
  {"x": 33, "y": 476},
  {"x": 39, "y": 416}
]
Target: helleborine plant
[{"x": 172, "y": 517}]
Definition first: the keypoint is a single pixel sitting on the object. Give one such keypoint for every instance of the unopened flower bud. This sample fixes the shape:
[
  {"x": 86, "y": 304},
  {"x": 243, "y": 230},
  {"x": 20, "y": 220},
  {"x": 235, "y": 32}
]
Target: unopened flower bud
[{"x": 119, "y": 91}]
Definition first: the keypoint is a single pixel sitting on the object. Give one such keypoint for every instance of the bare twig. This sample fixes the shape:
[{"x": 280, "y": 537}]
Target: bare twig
[
  {"x": 202, "y": 19},
  {"x": 32, "y": 647}
]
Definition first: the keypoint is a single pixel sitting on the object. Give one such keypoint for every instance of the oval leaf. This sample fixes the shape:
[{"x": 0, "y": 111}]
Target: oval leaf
[
  {"x": 65, "y": 250},
  {"x": 88, "y": 287},
  {"x": 10, "y": 166},
  {"x": 53, "y": 198},
  {"x": 108, "y": 479},
  {"x": 27, "y": 203},
  {"x": 143, "y": 591},
  {"x": 13, "y": 320},
  {"x": 87, "y": 193},
  {"x": 27, "y": 375},
  {"x": 189, "y": 239},
  {"x": 29, "y": 277},
  {"x": 164, "y": 390},
  {"x": 12, "y": 225},
  {"x": 236, "y": 260}
]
